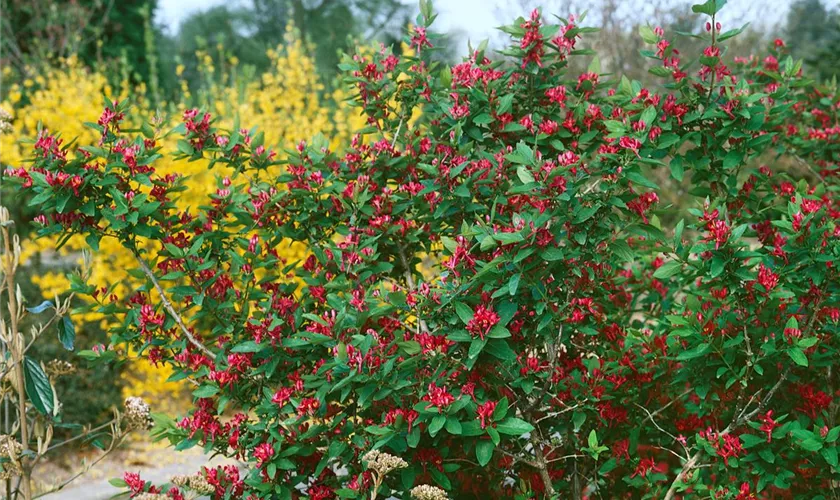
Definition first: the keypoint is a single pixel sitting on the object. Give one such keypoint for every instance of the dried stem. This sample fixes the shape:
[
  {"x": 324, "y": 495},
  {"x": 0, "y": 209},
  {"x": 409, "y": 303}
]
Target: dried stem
[
  {"x": 170, "y": 309},
  {"x": 409, "y": 278},
  {"x": 16, "y": 346}
]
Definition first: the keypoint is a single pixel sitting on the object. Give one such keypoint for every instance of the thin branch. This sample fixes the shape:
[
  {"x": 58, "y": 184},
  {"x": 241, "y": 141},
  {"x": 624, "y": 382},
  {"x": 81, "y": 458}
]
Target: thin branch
[
  {"x": 114, "y": 443},
  {"x": 517, "y": 458},
  {"x": 565, "y": 457},
  {"x": 396, "y": 134},
  {"x": 168, "y": 306},
  {"x": 80, "y": 436},
  {"x": 409, "y": 278},
  {"x": 653, "y": 420}
]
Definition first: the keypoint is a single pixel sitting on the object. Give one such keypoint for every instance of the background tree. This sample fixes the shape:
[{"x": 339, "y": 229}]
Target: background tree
[{"x": 813, "y": 34}]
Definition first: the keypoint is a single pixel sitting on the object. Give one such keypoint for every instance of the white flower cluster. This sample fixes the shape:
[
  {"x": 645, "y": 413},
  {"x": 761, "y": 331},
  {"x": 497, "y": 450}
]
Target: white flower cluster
[
  {"x": 10, "y": 449},
  {"x": 152, "y": 496},
  {"x": 58, "y": 367},
  {"x": 428, "y": 492},
  {"x": 196, "y": 482},
  {"x": 383, "y": 463},
  {"x": 137, "y": 414},
  {"x": 5, "y": 121}
]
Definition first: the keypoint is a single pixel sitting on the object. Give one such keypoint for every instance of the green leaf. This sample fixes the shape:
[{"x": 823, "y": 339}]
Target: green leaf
[
  {"x": 732, "y": 159},
  {"x": 507, "y": 238},
  {"x": 476, "y": 347},
  {"x": 513, "y": 284},
  {"x": 502, "y": 408},
  {"x": 797, "y": 356},
  {"x": 38, "y": 387},
  {"x": 487, "y": 243},
  {"x": 578, "y": 418},
  {"x": 524, "y": 174},
  {"x": 437, "y": 424},
  {"x": 751, "y": 440},
  {"x": 668, "y": 269},
  {"x": 586, "y": 213},
  {"x": 246, "y": 346},
  {"x": 66, "y": 333},
  {"x": 648, "y": 35},
  {"x": 678, "y": 231},
  {"x": 499, "y": 332},
  {"x": 484, "y": 451},
  {"x": 594, "y": 66},
  {"x": 767, "y": 455},
  {"x": 694, "y": 352},
  {"x": 677, "y": 170},
  {"x": 810, "y": 444},
  {"x": 593, "y": 439},
  {"x": 505, "y": 103},
  {"x": 464, "y": 312},
  {"x": 622, "y": 250},
  {"x": 453, "y": 426},
  {"x": 206, "y": 391},
  {"x": 514, "y": 426},
  {"x": 552, "y": 254},
  {"x": 410, "y": 347},
  {"x": 710, "y": 7}
]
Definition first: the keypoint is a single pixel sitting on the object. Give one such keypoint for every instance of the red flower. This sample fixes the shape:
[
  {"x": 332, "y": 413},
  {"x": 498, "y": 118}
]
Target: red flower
[
  {"x": 419, "y": 40},
  {"x": 767, "y": 278},
  {"x": 644, "y": 466},
  {"x": 438, "y": 397},
  {"x": 768, "y": 424},
  {"x": 532, "y": 41},
  {"x": 485, "y": 411},
  {"x": 263, "y": 453},
  {"x": 282, "y": 396},
  {"x": 630, "y": 143},
  {"x": 482, "y": 322}
]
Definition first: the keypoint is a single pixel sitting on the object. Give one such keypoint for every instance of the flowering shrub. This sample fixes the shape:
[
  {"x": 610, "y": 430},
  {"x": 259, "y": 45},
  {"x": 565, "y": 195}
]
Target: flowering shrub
[{"x": 568, "y": 344}]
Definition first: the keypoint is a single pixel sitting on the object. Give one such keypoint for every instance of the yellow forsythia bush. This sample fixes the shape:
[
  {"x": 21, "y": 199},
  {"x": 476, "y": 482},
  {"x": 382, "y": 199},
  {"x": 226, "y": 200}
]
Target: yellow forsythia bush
[{"x": 286, "y": 103}]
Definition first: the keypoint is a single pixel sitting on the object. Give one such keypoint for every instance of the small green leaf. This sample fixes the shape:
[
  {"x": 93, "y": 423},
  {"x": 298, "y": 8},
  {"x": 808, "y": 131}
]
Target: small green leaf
[
  {"x": 437, "y": 424},
  {"x": 667, "y": 269},
  {"x": 513, "y": 284},
  {"x": 694, "y": 352},
  {"x": 677, "y": 170},
  {"x": 453, "y": 426},
  {"x": 648, "y": 35},
  {"x": 464, "y": 312},
  {"x": 484, "y": 451},
  {"x": 66, "y": 333},
  {"x": 593, "y": 439},
  {"x": 524, "y": 174},
  {"x": 797, "y": 356},
  {"x": 206, "y": 391},
  {"x": 476, "y": 347},
  {"x": 38, "y": 387},
  {"x": 514, "y": 426}
]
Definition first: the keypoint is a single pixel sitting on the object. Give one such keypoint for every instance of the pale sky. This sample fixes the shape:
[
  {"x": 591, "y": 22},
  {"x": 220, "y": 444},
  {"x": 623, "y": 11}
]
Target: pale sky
[{"x": 477, "y": 19}]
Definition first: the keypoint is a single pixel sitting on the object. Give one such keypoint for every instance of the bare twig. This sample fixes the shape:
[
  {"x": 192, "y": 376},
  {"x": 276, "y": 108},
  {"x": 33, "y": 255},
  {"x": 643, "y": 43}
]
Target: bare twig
[
  {"x": 169, "y": 308},
  {"x": 409, "y": 278}
]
